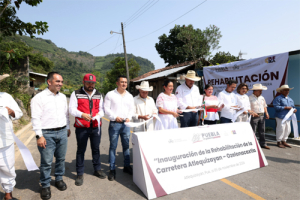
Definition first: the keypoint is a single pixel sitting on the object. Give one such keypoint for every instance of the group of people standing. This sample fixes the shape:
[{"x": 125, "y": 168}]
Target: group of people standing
[{"x": 50, "y": 120}]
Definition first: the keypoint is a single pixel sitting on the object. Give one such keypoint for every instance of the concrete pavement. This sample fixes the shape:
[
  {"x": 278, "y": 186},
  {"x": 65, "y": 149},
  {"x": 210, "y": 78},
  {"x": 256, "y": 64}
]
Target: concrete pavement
[{"x": 279, "y": 180}]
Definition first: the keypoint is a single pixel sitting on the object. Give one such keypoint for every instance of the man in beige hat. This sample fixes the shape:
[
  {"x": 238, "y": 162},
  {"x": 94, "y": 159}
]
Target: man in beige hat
[
  {"x": 7, "y": 150},
  {"x": 259, "y": 108},
  {"x": 283, "y": 104},
  {"x": 188, "y": 97},
  {"x": 144, "y": 107}
]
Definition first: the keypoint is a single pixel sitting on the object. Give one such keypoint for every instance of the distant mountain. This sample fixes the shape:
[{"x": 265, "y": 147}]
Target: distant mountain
[
  {"x": 72, "y": 65},
  {"x": 103, "y": 64}
]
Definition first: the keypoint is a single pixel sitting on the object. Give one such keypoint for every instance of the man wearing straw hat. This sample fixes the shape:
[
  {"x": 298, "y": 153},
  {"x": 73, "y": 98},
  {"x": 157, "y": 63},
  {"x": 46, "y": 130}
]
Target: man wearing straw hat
[
  {"x": 7, "y": 150},
  {"x": 144, "y": 107},
  {"x": 259, "y": 107},
  {"x": 283, "y": 104},
  {"x": 188, "y": 97}
]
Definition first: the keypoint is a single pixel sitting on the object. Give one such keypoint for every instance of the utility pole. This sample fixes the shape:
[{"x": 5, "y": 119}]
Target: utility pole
[{"x": 125, "y": 55}]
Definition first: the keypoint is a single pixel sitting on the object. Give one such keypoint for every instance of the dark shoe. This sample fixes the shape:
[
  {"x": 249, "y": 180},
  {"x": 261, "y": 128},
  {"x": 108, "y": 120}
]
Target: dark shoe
[
  {"x": 79, "y": 180},
  {"x": 112, "y": 175},
  {"x": 61, "y": 185},
  {"x": 266, "y": 147},
  {"x": 46, "y": 193},
  {"x": 280, "y": 145},
  {"x": 286, "y": 144},
  {"x": 100, "y": 174},
  {"x": 128, "y": 170}
]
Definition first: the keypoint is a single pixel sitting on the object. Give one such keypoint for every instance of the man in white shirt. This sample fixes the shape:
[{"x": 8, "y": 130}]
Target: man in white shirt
[
  {"x": 119, "y": 106},
  {"x": 85, "y": 104},
  {"x": 228, "y": 98},
  {"x": 50, "y": 121},
  {"x": 144, "y": 107},
  {"x": 7, "y": 150},
  {"x": 188, "y": 97},
  {"x": 259, "y": 108}
]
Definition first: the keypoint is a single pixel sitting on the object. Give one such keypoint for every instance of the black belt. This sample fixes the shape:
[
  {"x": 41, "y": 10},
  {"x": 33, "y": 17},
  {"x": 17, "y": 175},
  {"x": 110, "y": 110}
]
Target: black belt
[
  {"x": 118, "y": 122},
  {"x": 54, "y": 129}
]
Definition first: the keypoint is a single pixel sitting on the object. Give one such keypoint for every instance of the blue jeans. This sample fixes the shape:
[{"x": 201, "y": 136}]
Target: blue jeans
[
  {"x": 224, "y": 120},
  {"x": 189, "y": 119},
  {"x": 82, "y": 136},
  {"x": 115, "y": 129},
  {"x": 57, "y": 142}
]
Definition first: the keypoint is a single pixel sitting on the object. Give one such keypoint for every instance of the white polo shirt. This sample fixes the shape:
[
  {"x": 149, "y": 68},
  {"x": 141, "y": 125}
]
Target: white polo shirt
[{"x": 188, "y": 96}]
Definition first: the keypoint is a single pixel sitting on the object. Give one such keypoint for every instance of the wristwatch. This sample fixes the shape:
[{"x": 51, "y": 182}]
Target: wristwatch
[{"x": 38, "y": 136}]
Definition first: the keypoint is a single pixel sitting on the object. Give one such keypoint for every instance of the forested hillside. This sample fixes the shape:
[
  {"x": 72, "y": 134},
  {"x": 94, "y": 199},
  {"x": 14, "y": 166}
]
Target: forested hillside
[
  {"x": 72, "y": 65},
  {"x": 103, "y": 64}
]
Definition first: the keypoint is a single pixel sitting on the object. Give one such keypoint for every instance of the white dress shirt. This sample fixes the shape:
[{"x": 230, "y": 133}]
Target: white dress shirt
[
  {"x": 73, "y": 105},
  {"x": 229, "y": 100},
  {"x": 243, "y": 102},
  {"x": 144, "y": 107},
  {"x": 188, "y": 96},
  {"x": 6, "y": 137},
  {"x": 116, "y": 105},
  {"x": 49, "y": 110}
]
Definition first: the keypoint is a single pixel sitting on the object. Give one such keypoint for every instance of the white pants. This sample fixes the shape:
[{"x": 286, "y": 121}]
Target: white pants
[
  {"x": 7, "y": 168},
  {"x": 282, "y": 130}
]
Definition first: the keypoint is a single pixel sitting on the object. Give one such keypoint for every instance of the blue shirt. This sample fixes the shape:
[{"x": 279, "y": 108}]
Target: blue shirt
[{"x": 279, "y": 103}]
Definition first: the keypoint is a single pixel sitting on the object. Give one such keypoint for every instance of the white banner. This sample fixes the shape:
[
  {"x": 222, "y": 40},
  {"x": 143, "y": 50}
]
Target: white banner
[
  {"x": 270, "y": 71},
  {"x": 172, "y": 160}
]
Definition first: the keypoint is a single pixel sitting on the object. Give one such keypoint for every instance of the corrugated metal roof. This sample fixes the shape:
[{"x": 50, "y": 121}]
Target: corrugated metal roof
[
  {"x": 45, "y": 75},
  {"x": 163, "y": 73}
]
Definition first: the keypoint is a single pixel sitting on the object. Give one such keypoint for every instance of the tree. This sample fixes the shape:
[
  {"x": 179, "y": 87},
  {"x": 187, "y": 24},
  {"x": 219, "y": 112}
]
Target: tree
[
  {"x": 167, "y": 45},
  {"x": 186, "y": 44},
  {"x": 118, "y": 69},
  {"x": 223, "y": 57},
  {"x": 11, "y": 24}
]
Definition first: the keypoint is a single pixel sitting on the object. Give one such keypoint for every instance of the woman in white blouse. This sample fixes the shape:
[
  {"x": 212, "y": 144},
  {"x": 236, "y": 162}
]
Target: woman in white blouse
[
  {"x": 243, "y": 102},
  {"x": 168, "y": 109}
]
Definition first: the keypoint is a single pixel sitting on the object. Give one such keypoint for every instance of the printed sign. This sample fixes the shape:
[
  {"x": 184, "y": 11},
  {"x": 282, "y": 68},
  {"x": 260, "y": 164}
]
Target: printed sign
[
  {"x": 270, "y": 71},
  {"x": 172, "y": 160}
]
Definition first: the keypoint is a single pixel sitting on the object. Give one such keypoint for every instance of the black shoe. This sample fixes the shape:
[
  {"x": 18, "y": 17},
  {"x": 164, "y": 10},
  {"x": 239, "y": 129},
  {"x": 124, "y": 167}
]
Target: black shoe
[
  {"x": 100, "y": 174},
  {"x": 61, "y": 185},
  {"x": 46, "y": 193},
  {"x": 128, "y": 170},
  {"x": 79, "y": 180},
  {"x": 112, "y": 175}
]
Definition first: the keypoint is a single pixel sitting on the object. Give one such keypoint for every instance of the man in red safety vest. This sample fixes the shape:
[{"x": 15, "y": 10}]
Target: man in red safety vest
[{"x": 86, "y": 104}]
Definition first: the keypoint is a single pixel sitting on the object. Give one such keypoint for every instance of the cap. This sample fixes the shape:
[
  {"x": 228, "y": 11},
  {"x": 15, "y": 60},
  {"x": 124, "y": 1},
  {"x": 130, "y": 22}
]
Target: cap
[{"x": 89, "y": 78}]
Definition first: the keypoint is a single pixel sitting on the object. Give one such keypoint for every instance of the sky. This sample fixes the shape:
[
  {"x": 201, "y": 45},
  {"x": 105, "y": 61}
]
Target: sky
[{"x": 255, "y": 27}]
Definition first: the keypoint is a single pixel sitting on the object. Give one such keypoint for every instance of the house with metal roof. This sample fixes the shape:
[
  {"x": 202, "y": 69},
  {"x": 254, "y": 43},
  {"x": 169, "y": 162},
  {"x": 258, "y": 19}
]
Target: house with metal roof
[{"x": 157, "y": 77}]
